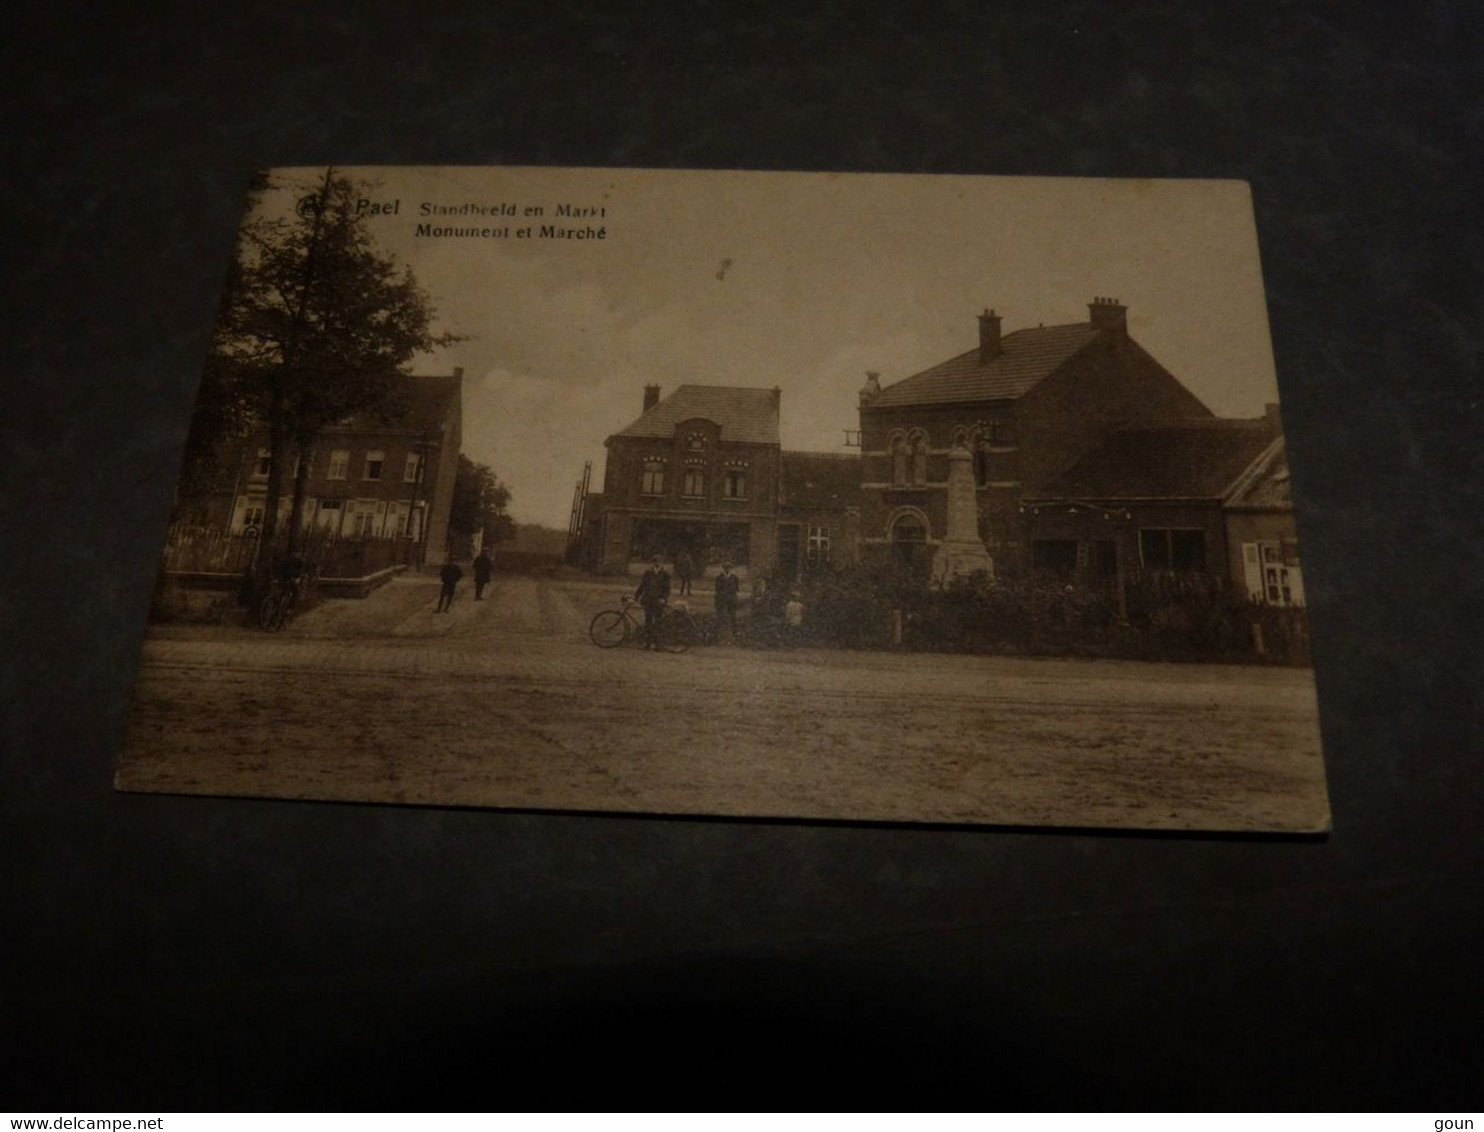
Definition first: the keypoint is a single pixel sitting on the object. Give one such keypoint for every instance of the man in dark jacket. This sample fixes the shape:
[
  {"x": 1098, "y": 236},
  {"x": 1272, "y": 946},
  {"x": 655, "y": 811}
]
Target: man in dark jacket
[
  {"x": 727, "y": 585},
  {"x": 652, "y": 594},
  {"x": 482, "y": 569},
  {"x": 449, "y": 575}
]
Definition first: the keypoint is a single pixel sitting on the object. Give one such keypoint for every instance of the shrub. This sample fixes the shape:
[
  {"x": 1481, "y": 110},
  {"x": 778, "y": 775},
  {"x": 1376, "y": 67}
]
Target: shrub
[{"x": 1170, "y": 616}]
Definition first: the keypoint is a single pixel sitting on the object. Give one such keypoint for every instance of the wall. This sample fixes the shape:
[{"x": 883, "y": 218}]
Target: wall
[
  {"x": 881, "y": 500},
  {"x": 1112, "y": 381},
  {"x": 625, "y": 501}
]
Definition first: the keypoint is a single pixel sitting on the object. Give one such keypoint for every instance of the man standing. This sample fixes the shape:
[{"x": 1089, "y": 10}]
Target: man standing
[
  {"x": 449, "y": 575},
  {"x": 482, "y": 568},
  {"x": 652, "y": 594},
  {"x": 682, "y": 571},
  {"x": 727, "y": 585}
]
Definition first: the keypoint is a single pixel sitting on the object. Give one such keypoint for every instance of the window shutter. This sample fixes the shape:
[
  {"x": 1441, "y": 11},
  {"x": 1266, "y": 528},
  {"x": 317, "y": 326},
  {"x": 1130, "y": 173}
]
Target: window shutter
[{"x": 1252, "y": 569}]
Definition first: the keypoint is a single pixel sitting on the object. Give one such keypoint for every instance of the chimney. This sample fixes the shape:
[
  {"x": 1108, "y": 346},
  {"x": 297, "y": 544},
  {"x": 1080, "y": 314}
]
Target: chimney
[
  {"x": 458, "y": 373},
  {"x": 871, "y": 389},
  {"x": 989, "y": 337},
  {"x": 777, "y": 396},
  {"x": 1107, "y": 314},
  {"x": 651, "y": 397}
]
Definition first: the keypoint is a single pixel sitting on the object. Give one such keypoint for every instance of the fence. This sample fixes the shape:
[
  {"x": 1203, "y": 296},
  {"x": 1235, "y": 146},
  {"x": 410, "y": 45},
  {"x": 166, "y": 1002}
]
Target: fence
[{"x": 208, "y": 550}]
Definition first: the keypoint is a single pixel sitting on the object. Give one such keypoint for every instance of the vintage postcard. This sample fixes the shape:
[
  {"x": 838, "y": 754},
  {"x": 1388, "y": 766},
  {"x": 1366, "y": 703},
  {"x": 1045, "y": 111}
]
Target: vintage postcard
[{"x": 833, "y": 497}]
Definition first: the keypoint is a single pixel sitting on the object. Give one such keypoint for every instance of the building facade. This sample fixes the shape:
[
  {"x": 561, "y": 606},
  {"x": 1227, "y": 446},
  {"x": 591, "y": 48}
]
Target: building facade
[
  {"x": 386, "y": 475},
  {"x": 701, "y": 474},
  {"x": 1186, "y": 497},
  {"x": 1061, "y": 451},
  {"x": 818, "y": 513},
  {"x": 961, "y": 444}
]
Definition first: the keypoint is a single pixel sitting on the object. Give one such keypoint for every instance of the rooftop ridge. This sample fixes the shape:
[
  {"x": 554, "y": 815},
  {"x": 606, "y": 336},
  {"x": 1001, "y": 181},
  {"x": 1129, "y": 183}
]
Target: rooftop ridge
[
  {"x": 1021, "y": 360},
  {"x": 1195, "y": 422},
  {"x": 1053, "y": 326}
]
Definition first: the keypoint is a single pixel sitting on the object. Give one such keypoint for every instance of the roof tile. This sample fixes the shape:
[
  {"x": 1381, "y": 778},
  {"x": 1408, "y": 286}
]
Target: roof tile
[
  {"x": 745, "y": 416},
  {"x": 1026, "y": 356},
  {"x": 1196, "y": 459}
]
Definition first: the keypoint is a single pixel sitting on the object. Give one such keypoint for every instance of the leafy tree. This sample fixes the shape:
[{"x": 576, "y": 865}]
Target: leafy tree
[
  {"x": 316, "y": 326},
  {"x": 479, "y": 503}
]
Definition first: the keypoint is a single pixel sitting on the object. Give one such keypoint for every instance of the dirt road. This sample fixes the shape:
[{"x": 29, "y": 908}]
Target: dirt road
[{"x": 506, "y": 703}]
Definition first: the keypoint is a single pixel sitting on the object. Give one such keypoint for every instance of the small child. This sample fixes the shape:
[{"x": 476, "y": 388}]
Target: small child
[{"x": 793, "y": 616}]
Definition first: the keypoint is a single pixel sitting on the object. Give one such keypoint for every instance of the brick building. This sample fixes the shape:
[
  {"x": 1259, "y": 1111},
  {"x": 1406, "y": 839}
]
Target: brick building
[
  {"x": 818, "y": 513},
  {"x": 381, "y": 475},
  {"x": 973, "y": 436},
  {"x": 701, "y": 473},
  {"x": 1197, "y": 496}
]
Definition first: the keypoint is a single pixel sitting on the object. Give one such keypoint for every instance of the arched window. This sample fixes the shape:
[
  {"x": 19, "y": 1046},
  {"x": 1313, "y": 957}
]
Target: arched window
[
  {"x": 919, "y": 458},
  {"x": 898, "y": 460},
  {"x": 908, "y": 538},
  {"x": 960, "y": 437}
]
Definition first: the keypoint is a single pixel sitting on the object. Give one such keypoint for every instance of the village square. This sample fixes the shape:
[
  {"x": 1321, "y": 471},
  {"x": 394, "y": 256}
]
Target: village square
[
  {"x": 1036, "y": 581},
  {"x": 505, "y": 702}
]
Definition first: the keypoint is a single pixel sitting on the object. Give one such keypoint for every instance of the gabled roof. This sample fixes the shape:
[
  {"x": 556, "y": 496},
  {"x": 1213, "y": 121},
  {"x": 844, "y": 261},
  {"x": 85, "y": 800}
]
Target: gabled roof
[
  {"x": 820, "y": 481},
  {"x": 1025, "y": 357},
  {"x": 423, "y": 403},
  {"x": 1196, "y": 459},
  {"x": 745, "y": 416}
]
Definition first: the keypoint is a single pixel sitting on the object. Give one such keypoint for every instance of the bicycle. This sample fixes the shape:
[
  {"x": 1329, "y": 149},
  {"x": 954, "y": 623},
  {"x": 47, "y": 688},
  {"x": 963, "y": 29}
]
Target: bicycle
[
  {"x": 285, "y": 594},
  {"x": 277, "y": 604},
  {"x": 614, "y": 627}
]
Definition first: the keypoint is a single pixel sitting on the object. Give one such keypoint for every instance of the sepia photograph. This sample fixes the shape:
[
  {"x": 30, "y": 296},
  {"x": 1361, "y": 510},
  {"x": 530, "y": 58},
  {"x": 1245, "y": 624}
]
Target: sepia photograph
[{"x": 856, "y": 497}]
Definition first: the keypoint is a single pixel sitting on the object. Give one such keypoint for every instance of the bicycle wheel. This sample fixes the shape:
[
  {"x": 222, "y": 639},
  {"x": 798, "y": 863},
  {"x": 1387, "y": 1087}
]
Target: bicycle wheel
[
  {"x": 270, "y": 612},
  {"x": 677, "y": 632},
  {"x": 609, "y": 629}
]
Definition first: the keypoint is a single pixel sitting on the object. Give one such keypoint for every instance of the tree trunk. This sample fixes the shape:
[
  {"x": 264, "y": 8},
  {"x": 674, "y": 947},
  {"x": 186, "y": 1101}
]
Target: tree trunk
[{"x": 305, "y": 452}]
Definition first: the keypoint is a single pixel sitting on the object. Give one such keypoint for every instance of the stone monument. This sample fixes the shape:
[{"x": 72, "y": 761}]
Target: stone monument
[{"x": 962, "y": 550}]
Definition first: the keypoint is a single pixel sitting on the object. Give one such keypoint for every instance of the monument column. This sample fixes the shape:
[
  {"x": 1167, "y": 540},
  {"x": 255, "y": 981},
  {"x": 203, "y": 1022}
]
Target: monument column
[{"x": 962, "y": 550}]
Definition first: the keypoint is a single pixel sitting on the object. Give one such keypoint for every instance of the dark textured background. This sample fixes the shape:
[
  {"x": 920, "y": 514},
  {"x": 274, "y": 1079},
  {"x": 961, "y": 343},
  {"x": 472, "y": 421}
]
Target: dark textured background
[{"x": 159, "y": 952}]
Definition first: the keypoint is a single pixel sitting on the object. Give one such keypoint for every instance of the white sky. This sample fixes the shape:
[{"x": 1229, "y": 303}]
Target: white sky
[{"x": 801, "y": 280}]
